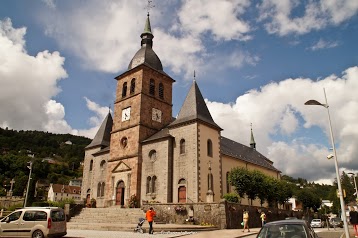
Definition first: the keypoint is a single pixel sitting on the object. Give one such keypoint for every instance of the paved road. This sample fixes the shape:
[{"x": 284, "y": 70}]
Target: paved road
[{"x": 234, "y": 233}]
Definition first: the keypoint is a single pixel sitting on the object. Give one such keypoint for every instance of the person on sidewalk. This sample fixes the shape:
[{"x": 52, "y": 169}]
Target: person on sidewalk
[
  {"x": 263, "y": 218},
  {"x": 245, "y": 218},
  {"x": 149, "y": 215},
  {"x": 353, "y": 219}
]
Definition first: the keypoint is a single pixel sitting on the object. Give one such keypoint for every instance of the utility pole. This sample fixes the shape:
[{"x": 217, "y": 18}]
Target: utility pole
[{"x": 28, "y": 182}]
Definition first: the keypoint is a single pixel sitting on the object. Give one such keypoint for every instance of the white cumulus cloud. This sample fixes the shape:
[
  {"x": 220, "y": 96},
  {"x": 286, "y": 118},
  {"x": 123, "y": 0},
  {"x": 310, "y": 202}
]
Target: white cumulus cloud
[{"x": 280, "y": 119}]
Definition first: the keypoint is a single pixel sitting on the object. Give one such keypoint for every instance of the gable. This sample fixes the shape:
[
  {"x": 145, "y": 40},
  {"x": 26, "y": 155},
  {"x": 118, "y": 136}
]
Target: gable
[{"x": 121, "y": 167}]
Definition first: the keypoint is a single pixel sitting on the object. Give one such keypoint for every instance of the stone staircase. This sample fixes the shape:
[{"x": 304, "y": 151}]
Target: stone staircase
[
  {"x": 109, "y": 215},
  {"x": 121, "y": 219},
  {"x": 112, "y": 218}
]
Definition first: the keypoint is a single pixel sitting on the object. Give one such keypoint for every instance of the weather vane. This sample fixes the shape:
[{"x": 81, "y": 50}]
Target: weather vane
[{"x": 149, "y": 6}]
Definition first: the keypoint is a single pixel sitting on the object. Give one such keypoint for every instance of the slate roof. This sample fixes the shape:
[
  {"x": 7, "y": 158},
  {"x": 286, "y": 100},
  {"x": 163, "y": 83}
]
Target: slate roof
[
  {"x": 244, "y": 153},
  {"x": 103, "y": 135},
  {"x": 194, "y": 108},
  {"x": 164, "y": 133}
]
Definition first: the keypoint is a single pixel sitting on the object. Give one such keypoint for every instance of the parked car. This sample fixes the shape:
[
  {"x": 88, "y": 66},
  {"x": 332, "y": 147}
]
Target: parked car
[
  {"x": 293, "y": 228},
  {"x": 336, "y": 222},
  {"x": 35, "y": 222},
  {"x": 317, "y": 223}
]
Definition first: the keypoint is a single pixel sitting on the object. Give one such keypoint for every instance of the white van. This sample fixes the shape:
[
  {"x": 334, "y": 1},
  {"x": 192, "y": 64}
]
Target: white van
[{"x": 34, "y": 222}]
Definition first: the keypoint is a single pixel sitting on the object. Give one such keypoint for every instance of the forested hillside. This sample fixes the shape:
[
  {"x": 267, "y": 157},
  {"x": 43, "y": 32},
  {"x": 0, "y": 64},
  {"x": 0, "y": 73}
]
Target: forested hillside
[{"x": 56, "y": 158}]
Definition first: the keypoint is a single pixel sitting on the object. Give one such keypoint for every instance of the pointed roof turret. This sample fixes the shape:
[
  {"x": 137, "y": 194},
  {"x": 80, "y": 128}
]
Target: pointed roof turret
[
  {"x": 146, "y": 55},
  {"x": 103, "y": 135},
  {"x": 147, "y": 27},
  {"x": 194, "y": 108},
  {"x": 252, "y": 140}
]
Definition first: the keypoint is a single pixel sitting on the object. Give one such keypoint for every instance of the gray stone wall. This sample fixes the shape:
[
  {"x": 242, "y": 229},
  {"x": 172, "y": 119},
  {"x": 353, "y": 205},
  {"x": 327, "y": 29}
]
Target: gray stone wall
[
  {"x": 223, "y": 215},
  {"x": 6, "y": 202}
]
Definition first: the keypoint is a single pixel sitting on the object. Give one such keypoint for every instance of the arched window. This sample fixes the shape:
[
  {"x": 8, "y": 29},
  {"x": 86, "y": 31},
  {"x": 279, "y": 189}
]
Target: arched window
[
  {"x": 154, "y": 179},
  {"x": 103, "y": 164},
  {"x": 91, "y": 165},
  {"x": 124, "y": 90},
  {"x": 152, "y": 87},
  {"x": 132, "y": 86},
  {"x": 161, "y": 91},
  {"x": 149, "y": 179},
  {"x": 182, "y": 146},
  {"x": 99, "y": 190},
  {"x": 102, "y": 189},
  {"x": 182, "y": 181},
  {"x": 153, "y": 155},
  {"x": 210, "y": 148}
]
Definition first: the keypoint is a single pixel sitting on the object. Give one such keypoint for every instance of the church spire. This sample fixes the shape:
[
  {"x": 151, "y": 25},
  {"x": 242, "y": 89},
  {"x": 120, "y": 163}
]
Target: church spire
[
  {"x": 147, "y": 36},
  {"x": 252, "y": 140},
  {"x": 146, "y": 55}
]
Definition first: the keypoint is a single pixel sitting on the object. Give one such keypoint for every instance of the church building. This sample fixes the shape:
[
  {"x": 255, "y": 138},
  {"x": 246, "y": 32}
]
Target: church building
[{"x": 143, "y": 151}]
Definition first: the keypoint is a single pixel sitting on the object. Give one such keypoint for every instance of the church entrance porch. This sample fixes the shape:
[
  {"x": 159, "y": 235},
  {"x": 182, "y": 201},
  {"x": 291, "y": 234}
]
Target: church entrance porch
[{"x": 120, "y": 193}]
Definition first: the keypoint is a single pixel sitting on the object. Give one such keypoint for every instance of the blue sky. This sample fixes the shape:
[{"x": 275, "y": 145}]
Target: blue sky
[{"x": 255, "y": 61}]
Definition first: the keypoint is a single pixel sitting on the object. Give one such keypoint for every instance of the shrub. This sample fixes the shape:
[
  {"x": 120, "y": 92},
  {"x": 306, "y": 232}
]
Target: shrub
[
  {"x": 231, "y": 197},
  {"x": 61, "y": 203}
]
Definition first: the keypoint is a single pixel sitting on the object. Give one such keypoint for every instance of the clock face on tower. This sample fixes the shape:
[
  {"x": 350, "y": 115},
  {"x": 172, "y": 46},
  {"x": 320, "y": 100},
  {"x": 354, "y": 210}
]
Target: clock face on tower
[
  {"x": 156, "y": 115},
  {"x": 126, "y": 114}
]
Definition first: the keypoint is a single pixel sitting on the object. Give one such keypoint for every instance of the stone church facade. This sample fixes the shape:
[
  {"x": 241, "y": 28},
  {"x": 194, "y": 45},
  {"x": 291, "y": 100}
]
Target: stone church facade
[{"x": 144, "y": 151}]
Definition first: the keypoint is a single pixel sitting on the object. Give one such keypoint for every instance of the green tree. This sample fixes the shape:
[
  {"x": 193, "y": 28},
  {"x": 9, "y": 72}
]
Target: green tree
[
  {"x": 284, "y": 191},
  {"x": 240, "y": 178},
  {"x": 256, "y": 184},
  {"x": 309, "y": 199}
]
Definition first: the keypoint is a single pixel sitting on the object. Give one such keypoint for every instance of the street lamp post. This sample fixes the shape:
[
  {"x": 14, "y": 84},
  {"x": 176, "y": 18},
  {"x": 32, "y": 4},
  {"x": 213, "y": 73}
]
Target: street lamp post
[
  {"x": 314, "y": 102},
  {"x": 355, "y": 184},
  {"x": 28, "y": 182}
]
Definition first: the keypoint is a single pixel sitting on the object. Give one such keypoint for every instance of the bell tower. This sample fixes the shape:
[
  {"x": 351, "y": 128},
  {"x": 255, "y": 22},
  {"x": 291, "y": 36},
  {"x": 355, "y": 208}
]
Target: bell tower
[{"x": 143, "y": 106}]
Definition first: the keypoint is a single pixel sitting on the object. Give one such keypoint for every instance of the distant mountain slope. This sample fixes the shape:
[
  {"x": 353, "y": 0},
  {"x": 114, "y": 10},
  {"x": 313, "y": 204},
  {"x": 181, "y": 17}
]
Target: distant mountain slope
[{"x": 56, "y": 158}]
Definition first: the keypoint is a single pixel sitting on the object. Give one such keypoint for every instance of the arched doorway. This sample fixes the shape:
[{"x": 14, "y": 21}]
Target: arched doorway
[
  {"x": 88, "y": 196},
  {"x": 120, "y": 193}
]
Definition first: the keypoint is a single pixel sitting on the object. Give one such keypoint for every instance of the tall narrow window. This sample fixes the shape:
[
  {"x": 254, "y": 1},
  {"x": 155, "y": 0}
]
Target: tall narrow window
[
  {"x": 132, "y": 86},
  {"x": 91, "y": 165},
  {"x": 161, "y": 91},
  {"x": 210, "y": 148},
  {"x": 182, "y": 146},
  {"x": 148, "y": 184},
  {"x": 124, "y": 90},
  {"x": 154, "y": 179},
  {"x": 152, "y": 87},
  {"x": 102, "y": 189},
  {"x": 99, "y": 190}
]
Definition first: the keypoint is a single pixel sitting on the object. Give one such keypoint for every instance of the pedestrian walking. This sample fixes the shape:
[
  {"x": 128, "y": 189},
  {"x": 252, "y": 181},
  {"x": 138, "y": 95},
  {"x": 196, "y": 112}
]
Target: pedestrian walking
[
  {"x": 149, "y": 215},
  {"x": 245, "y": 218},
  {"x": 263, "y": 218},
  {"x": 353, "y": 218}
]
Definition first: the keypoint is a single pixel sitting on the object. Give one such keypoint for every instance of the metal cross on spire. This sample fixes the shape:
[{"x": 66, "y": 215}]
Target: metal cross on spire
[{"x": 149, "y": 6}]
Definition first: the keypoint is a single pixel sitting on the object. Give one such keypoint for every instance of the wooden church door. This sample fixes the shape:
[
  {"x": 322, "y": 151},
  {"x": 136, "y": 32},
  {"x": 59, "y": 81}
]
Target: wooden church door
[
  {"x": 120, "y": 193},
  {"x": 182, "y": 194}
]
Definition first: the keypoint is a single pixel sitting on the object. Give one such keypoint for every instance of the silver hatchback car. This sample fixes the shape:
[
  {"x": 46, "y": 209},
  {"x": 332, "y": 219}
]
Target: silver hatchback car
[{"x": 34, "y": 222}]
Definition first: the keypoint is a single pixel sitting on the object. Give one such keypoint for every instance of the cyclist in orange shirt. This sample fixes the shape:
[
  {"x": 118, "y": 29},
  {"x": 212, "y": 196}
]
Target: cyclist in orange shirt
[{"x": 149, "y": 215}]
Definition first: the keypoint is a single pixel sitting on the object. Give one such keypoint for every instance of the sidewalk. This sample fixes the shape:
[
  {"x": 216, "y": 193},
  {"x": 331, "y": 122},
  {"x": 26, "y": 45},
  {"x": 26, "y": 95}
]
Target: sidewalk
[{"x": 230, "y": 233}]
